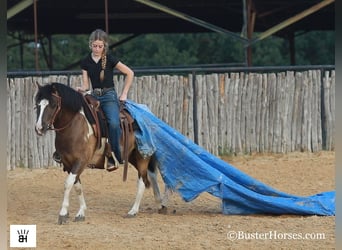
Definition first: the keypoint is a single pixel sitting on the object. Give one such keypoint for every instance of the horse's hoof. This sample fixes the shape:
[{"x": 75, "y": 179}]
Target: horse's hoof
[
  {"x": 130, "y": 216},
  {"x": 79, "y": 218},
  {"x": 162, "y": 210},
  {"x": 62, "y": 219}
]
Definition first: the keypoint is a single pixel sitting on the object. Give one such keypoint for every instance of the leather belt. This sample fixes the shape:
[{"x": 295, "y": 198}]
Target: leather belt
[{"x": 101, "y": 91}]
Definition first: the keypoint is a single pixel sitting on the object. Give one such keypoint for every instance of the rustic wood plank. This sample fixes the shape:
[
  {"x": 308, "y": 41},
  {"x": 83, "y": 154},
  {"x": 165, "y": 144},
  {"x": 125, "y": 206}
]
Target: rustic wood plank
[
  {"x": 243, "y": 113},
  {"x": 189, "y": 93},
  {"x": 199, "y": 104},
  {"x": 263, "y": 107},
  {"x": 327, "y": 111},
  {"x": 211, "y": 90},
  {"x": 230, "y": 118},
  {"x": 332, "y": 109},
  {"x": 289, "y": 93},
  {"x": 204, "y": 120},
  {"x": 258, "y": 125},
  {"x": 236, "y": 120},
  {"x": 253, "y": 113},
  {"x": 305, "y": 104},
  {"x": 221, "y": 126}
]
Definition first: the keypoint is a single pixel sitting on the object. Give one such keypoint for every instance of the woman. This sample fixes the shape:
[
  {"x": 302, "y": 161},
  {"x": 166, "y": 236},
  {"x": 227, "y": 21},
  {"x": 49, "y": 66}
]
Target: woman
[{"x": 98, "y": 67}]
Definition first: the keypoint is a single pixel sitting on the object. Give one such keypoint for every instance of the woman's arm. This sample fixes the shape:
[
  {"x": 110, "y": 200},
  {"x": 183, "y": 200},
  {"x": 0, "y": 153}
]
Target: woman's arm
[
  {"x": 85, "y": 81},
  {"x": 124, "y": 69}
]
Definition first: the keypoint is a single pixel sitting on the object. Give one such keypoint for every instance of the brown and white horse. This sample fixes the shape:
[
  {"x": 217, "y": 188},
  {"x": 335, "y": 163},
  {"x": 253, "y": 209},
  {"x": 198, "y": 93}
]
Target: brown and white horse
[{"x": 63, "y": 109}]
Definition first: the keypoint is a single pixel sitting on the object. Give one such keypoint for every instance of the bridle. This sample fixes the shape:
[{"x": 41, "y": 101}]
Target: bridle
[{"x": 53, "y": 118}]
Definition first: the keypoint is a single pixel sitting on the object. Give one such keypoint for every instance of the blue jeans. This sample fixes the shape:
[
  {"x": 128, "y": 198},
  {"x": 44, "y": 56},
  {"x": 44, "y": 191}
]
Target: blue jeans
[{"x": 111, "y": 108}]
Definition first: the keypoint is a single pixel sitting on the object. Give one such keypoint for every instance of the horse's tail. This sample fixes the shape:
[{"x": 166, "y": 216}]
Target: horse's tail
[
  {"x": 153, "y": 164},
  {"x": 152, "y": 168}
]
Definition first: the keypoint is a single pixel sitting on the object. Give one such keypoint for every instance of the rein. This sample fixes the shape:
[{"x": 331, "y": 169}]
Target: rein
[{"x": 58, "y": 109}]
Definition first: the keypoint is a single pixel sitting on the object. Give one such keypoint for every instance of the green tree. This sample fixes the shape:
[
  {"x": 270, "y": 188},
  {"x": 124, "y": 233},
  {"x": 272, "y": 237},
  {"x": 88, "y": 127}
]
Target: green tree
[
  {"x": 316, "y": 48},
  {"x": 312, "y": 48},
  {"x": 270, "y": 52}
]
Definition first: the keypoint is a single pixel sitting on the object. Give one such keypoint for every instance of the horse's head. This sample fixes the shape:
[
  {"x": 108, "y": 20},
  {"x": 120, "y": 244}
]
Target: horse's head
[
  {"x": 48, "y": 103},
  {"x": 50, "y": 100}
]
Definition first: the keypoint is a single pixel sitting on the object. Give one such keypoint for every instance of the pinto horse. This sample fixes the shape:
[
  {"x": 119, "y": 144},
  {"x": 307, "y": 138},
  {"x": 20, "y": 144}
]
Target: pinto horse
[{"x": 63, "y": 109}]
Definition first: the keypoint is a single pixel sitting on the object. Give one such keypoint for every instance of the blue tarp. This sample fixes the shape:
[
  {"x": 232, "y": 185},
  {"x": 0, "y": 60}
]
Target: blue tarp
[{"x": 190, "y": 170}]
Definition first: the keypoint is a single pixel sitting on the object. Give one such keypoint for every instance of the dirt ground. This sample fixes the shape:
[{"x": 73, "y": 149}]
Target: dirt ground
[{"x": 35, "y": 196}]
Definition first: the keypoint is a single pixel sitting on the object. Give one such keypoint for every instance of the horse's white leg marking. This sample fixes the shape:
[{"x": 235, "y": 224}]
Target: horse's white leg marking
[
  {"x": 140, "y": 192},
  {"x": 69, "y": 182},
  {"x": 83, "y": 206},
  {"x": 43, "y": 103},
  {"x": 155, "y": 186},
  {"x": 166, "y": 196}
]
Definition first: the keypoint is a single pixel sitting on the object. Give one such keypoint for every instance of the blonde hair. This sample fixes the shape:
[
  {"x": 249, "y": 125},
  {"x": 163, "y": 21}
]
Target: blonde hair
[{"x": 100, "y": 35}]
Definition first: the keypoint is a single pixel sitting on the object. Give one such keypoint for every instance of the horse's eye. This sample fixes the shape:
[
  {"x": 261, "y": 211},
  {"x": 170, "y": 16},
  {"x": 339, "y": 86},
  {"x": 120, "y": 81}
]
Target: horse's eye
[{"x": 53, "y": 104}]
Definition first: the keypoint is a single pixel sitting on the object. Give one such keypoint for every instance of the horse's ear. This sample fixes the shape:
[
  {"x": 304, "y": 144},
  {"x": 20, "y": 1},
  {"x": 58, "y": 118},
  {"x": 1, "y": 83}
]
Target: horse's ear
[
  {"x": 38, "y": 85},
  {"x": 54, "y": 88}
]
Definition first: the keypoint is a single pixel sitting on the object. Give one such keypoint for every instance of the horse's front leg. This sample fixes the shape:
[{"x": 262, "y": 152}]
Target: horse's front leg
[
  {"x": 80, "y": 216},
  {"x": 68, "y": 184},
  {"x": 140, "y": 192}
]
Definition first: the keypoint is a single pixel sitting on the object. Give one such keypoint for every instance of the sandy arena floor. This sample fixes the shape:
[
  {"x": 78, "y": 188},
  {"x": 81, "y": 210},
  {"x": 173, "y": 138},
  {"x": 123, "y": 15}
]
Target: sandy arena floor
[{"x": 35, "y": 196}]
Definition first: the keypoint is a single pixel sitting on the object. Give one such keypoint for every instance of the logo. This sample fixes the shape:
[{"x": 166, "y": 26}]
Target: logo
[{"x": 23, "y": 236}]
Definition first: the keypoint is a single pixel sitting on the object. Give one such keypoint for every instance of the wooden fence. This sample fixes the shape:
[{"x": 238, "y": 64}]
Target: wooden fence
[{"x": 225, "y": 113}]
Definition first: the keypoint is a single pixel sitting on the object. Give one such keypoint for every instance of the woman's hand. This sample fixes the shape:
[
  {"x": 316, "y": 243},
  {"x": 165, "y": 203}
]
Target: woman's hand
[{"x": 123, "y": 97}]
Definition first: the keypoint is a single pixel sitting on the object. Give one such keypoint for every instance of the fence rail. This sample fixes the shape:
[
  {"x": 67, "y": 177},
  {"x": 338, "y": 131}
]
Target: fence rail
[{"x": 224, "y": 112}]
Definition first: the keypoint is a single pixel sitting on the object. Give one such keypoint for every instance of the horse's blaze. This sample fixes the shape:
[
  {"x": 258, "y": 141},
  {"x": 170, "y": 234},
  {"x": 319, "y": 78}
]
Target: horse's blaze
[{"x": 39, "y": 124}]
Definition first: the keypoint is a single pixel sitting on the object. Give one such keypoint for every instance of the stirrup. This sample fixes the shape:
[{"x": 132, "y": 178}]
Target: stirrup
[{"x": 112, "y": 165}]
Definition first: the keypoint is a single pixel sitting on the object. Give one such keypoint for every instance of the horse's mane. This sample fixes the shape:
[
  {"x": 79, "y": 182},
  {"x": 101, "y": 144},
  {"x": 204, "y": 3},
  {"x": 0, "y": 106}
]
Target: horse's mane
[{"x": 71, "y": 99}]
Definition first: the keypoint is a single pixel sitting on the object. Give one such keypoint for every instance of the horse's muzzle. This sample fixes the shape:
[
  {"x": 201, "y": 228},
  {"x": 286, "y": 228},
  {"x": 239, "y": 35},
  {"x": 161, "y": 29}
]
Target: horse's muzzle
[{"x": 40, "y": 130}]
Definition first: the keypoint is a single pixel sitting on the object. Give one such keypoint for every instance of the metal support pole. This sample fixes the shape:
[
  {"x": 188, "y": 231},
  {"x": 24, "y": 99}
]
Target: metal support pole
[
  {"x": 250, "y": 30},
  {"x": 106, "y": 16},
  {"x": 292, "y": 20},
  {"x": 192, "y": 19},
  {"x": 35, "y": 35},
  {"x": 194, "y": 104}
]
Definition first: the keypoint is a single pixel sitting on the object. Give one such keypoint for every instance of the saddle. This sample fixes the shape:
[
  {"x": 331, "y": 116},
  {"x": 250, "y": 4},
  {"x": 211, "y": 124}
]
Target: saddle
[
  {"x": 99, "y": 125},
  {"x": 98, "y": 118}
]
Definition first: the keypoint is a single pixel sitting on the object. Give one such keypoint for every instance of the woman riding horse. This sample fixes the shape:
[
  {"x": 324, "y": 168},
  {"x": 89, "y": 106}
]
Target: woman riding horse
[{"x": 98, "y": 67}]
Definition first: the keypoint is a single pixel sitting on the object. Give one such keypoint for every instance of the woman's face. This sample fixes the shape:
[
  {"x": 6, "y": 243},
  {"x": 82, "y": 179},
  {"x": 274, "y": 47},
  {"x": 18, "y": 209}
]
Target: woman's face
[{"x": 97, "y": 47}]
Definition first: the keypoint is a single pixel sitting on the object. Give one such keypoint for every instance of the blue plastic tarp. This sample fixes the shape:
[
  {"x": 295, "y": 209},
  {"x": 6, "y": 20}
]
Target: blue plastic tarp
[{"x": 190, "y": 170}]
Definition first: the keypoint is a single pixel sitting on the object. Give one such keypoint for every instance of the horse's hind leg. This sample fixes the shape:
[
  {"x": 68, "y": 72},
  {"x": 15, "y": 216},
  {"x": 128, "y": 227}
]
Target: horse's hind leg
[
  {"x": 155, "y": 186},
  {"x": 165, "y": 200},
  {"x": 80, "y": 216},
  {"x": 68, "y": 184},
  {"x": 152, "y": 174}
]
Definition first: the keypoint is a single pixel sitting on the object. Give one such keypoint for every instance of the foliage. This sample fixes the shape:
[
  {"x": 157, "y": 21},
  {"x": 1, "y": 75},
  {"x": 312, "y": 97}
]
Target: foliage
[
  {"x": 316, "y": 48},
  {"x": 312, "y": 48}
]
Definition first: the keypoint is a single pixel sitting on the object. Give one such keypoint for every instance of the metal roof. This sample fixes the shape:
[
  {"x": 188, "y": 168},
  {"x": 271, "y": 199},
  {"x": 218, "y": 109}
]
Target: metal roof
[
  {"x": 138, "y": 16},
  {"x": 239, "y": 19}
]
